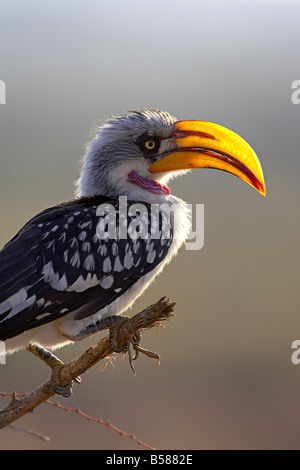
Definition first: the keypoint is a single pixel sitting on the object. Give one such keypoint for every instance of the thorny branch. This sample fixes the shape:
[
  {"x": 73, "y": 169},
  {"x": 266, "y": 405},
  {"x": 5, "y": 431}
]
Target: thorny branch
[{"x": 122, "y": 335}]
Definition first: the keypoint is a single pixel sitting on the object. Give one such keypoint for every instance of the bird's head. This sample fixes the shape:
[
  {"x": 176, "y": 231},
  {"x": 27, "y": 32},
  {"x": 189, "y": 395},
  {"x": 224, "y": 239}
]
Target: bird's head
[{"x": 136, "y": 154}]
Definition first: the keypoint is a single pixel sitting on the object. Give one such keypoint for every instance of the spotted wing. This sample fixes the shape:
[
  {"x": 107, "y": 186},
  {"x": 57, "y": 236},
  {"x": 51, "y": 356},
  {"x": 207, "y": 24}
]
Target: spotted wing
[{"x": 64, "y": 261}]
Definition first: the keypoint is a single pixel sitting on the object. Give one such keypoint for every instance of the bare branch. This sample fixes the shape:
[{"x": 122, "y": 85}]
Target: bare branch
[
  {"x": 29, "y": 431},
  {"x": 79, "y": 413},
  {"x": 121, "y": 336},
  {"x": 101, "y": 421}
]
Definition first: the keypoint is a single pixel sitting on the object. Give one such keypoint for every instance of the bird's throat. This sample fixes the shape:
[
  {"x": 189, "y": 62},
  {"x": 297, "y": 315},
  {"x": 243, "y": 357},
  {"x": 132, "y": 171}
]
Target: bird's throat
[{"x": 147, "y": 184}]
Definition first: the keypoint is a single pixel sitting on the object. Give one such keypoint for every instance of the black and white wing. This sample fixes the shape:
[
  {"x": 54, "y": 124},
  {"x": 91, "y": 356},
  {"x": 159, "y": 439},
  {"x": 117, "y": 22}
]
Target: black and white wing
[{"x": 57, "y": 264}]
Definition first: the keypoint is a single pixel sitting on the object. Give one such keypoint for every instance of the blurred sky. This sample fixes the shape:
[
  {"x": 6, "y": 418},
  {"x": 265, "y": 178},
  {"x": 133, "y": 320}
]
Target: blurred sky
[{"x": 226, "y": 379}]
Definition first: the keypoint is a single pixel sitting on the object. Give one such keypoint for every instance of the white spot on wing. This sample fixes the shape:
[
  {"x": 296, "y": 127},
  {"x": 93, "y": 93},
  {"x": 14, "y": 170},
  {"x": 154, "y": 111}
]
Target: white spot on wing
[
  {"x": 115, "y": 249},
  {"x": 13, "y": 300},
  {"x": 63, "y": 237},
  {"x": 82, "y": 236},
  {"x": 61, "y": 284},
  {"x": 42, "y": 315},
  {"x": 102, "y": 250},
  {"x": 106, "y": 282},
  {"x": 40, "y": 302},
  {"x": 74, "y": 243},
  {"x": 136, "y": 247},
  {"x": 151, "y": 256},
  {"x": 81, "y": 285},
  {"x": 106, "y": 265},
  {"x": 66, "y": 257},
  {"x": 51, "y": 244},
  {"x": 21, "y": 306},
  {"x": 128, "y": 260},
  {"x": 86, "y": 246},
  {"x": 75, "y": 260},
  {"x": 117, "y": 265},
  {"x": 89, "y": 263},
  {"x": 49, "y": 274},
  {"x": 86, "y": 225}
]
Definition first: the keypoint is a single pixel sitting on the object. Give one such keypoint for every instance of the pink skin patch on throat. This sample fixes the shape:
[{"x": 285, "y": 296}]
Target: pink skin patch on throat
[{"x": 147, "y": 184}]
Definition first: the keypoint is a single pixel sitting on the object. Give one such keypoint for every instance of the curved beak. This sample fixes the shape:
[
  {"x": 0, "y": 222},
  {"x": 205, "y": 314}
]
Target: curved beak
[{"x": 201, "y": 144}]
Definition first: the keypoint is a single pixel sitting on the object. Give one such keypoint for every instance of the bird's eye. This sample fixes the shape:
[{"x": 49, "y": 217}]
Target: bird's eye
[{"x": 148, "y": 144}]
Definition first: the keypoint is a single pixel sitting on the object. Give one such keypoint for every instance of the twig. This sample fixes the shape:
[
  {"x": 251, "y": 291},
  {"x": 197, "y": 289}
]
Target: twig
[
  {"x": 123, "y": 334},
  {"x": 101, "y": 421},
  {"x": 78, "y": 412},
  {"x": 28, "y": 431}
]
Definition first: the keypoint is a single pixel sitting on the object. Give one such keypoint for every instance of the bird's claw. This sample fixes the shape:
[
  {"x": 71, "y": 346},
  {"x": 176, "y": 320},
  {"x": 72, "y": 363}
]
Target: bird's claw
[
  {"x": 114, "y": 335},
  {"x": 146, "y": 352},
  {"x": 66, "y": 391},
  {"x": 135, "y": 344},
  {"x": 63, "y": 390},
  {"x": 55, "y": 364},
  {"x": 118, "y": 347},
  {"x": 134, "y": 341}
]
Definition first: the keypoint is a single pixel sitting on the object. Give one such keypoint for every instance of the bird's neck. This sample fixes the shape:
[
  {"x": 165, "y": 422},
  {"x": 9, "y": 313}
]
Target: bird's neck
[{"x": 147, "y": 184}]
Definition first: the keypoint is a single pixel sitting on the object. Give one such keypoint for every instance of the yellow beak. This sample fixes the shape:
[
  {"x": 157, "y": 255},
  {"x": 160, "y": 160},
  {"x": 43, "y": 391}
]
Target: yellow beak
[{"x": 201, "y": 144}]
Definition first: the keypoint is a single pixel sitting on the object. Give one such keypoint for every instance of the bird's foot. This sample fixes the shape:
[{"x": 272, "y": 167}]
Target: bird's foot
[
  {"x": 146, "y": 352},
  {"x": 137, "y": 350},
  {"x": 55, "y": 364},
  {"x": 55, "y": 380},
  {"x": 115, "y": 343},
  {"x": 136, "y": 346},
  {"x": 100, "y": 325},
  {"x": 65, "y": 391},
  {"x": 120, "y": 345}
]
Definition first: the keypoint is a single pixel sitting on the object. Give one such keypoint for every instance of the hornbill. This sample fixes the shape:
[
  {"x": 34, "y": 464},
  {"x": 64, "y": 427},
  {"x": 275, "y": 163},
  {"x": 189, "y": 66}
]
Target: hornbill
[{"x": 61, "y": 277}]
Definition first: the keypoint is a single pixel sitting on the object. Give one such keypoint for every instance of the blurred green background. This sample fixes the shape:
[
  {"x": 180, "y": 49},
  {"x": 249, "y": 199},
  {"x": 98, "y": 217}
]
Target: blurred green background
[{"x": 226, "y": 380}]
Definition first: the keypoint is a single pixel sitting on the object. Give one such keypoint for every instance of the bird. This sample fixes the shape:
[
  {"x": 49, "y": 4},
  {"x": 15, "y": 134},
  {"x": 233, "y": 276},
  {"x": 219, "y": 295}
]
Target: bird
[{"x": 74, "y": 268}]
